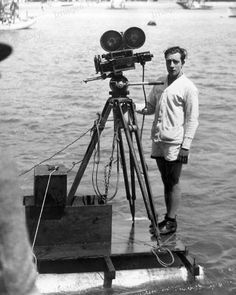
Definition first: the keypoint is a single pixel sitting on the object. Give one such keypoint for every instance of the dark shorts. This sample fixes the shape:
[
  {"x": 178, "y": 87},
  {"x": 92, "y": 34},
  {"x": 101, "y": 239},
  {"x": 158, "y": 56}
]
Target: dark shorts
[{"x": 170, "y": 170}]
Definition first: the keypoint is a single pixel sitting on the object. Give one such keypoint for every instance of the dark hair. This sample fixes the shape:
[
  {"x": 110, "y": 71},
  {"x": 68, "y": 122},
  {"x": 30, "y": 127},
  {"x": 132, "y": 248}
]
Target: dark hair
[{"x": 176, "y": 49}]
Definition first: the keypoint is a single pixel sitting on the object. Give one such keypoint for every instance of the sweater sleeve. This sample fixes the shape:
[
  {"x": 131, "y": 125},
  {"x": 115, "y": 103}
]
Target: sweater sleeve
[
  {"x": 151, "y": 102},
  {"x": 191, "y": 116}
]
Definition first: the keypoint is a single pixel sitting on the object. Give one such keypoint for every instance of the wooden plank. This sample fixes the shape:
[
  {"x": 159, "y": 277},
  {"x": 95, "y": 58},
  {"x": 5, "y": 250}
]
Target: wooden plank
[
  {"x": 72, "y": 251},
  {"x": 80, "y": 231},
  {"x": 81, "y": 265},
  {"x": 109, "y": 273},
  {"x": 190, "y": 264},
  {"x": 57, "y": 189},
  {"x": 83, "y": 239},
  {"x": 79, "y": 241},
  {"x": 98, "y": 264},
  {"x": 131, "y": 249},
  {"x": 110, "y": 269},
  {"x": 137, "y": 239}
]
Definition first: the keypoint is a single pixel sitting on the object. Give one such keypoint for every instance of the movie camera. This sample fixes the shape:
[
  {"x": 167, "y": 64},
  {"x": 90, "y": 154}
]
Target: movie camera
[
  {"x": 120, "y": 57},
  {"x": 120, "y": 47}
]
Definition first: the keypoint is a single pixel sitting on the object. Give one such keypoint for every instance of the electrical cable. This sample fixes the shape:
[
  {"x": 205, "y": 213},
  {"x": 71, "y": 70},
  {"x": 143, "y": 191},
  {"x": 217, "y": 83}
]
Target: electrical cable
[
  {"x": 107, "y": 174},
  {"x": 96, "y": 161},
  {"x": 145, "y": 99}
]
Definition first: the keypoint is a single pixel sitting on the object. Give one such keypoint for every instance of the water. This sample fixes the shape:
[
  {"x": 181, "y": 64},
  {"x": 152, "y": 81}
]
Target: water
[{"x": 45, "y": 105}]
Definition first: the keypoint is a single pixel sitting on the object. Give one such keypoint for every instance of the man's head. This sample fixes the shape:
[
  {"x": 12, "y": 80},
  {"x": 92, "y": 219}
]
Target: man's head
[
  {"x": 175, "y": 59},
  {"x": 5, "y": 51}
]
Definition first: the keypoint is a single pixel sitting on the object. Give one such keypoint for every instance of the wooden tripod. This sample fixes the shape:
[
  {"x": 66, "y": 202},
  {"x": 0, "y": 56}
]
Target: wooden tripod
[{"x": 121, "y": 104}]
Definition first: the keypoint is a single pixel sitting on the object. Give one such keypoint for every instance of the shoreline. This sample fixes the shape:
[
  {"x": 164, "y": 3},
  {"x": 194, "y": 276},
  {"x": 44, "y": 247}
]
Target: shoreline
[{"x": 38, "y": 9}]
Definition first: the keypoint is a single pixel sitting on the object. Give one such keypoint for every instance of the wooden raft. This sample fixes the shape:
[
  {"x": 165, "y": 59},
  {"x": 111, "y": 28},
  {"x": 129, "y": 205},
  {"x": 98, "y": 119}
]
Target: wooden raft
[{"x": 84, "y": 237}]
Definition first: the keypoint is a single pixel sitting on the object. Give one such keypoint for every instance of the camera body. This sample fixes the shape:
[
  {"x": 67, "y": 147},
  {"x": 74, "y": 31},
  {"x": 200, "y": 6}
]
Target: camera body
[
  {"x": 120, "y": 47},
  {"x": 118, "y": 61}
]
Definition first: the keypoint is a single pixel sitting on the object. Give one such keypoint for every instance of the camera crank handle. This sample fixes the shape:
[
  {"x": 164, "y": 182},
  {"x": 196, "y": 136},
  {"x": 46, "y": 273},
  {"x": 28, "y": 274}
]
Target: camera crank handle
[
  {"x": 146, "y": 83},
  {"x": 102, "y": 77}
]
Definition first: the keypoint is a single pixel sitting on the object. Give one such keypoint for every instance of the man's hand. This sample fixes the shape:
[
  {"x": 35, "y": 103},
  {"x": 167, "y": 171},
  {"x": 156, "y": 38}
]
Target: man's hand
[
  {"x": 139, "y": 112},
  {"x": 140, "y": 108},
  {"x": 142, "y": 112},
  {"x": 183, "y": 156}
]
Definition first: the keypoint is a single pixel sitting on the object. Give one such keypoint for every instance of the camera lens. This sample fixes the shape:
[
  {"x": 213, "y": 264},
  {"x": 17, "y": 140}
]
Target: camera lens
[
  {"x": 134, "y": 37},
  {"x": 111, "y": 41}
]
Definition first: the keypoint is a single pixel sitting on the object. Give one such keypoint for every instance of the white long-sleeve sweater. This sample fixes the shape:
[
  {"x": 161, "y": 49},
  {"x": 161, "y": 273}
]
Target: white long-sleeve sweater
[{"x": 176, "y": 111}]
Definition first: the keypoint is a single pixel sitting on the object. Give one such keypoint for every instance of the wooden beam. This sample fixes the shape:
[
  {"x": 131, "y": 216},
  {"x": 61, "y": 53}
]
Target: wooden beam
[{"x": 109, "y": 273}]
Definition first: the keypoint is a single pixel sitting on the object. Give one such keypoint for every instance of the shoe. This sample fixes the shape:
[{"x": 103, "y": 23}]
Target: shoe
[
  {"x": 169, "y": 228},
  {"x": 163, "y": 222},
  {"x": 160, "y": 225},
  {"x": 151, "y": 229}
]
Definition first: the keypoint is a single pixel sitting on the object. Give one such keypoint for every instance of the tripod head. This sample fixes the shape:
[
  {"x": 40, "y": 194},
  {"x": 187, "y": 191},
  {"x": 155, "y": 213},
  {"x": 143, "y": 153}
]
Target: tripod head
[{"x": 119, "y": 85}]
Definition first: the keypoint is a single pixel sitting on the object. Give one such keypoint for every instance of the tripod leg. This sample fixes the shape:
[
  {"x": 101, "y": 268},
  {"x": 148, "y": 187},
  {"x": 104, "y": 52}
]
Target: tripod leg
[
  {"x": 135, "y": 161},
  {"x": 144, "y": 186},
  {"x": 132, "y": 175},
  {"x": 126, "y": 179},
  {"x": 95, "y": 137},
  {"x": 143, "y": 163}
]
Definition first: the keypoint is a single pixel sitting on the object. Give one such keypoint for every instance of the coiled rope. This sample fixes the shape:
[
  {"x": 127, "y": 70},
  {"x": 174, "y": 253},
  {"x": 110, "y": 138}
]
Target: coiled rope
[{"x": 155, "y": 249}]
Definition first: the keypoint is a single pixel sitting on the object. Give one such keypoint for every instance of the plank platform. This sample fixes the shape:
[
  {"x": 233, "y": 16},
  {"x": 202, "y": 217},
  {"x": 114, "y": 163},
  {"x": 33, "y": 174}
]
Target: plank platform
[
  {"x": 131, "y": 248},
  {"x": 89, "y": 239},
  {"x": 131, "y": 263}
]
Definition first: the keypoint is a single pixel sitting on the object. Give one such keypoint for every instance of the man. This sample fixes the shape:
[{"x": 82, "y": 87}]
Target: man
[
  {"x": 175, "y": 105},
  {"x": 17, "y": 271}
]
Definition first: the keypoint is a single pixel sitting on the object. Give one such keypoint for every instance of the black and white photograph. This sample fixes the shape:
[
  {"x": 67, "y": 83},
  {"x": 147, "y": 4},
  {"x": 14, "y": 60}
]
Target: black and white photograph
[{"x": 117, "y": 147}]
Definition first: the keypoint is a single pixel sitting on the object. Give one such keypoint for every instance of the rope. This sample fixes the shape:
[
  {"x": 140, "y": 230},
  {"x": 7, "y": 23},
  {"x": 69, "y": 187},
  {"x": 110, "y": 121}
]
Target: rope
[
  {"x": 73, "y": 165},
  {"x": 56, "y": 153},
  {"x": 162, "y": 249},
  {"x": 35, "y": 260},
  {"x": 155, "y": 250},
  {"x": 42, "y": 207}
]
